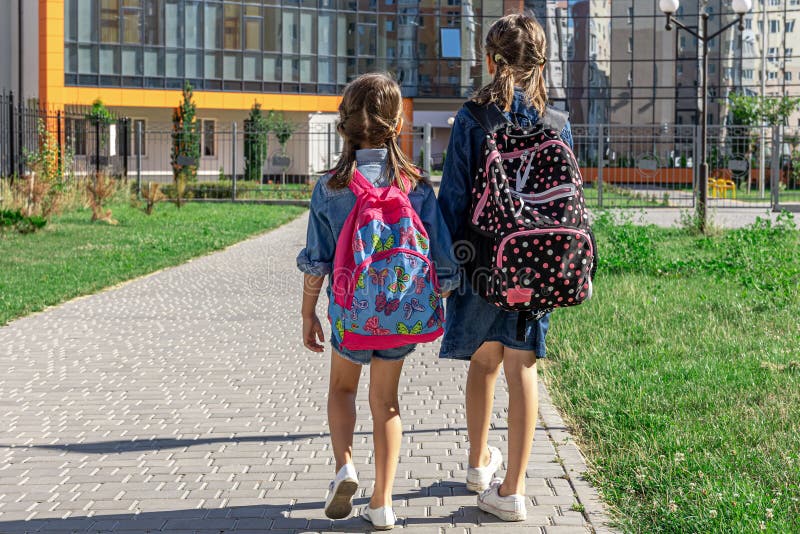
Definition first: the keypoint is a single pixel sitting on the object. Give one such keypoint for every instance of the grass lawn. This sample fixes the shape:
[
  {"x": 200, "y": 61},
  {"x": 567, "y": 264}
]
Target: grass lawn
[
  {"x": 619, "y": 197},
  {"x": 73, "y": 256},
  {"x": 682, "y": 378}
]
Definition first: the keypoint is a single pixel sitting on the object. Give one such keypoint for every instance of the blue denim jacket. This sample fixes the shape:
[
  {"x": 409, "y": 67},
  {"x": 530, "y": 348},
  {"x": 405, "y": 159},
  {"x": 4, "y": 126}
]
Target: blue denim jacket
[
  {"x": 470, "y": 320},
  {"x": 331, "y": 207}
]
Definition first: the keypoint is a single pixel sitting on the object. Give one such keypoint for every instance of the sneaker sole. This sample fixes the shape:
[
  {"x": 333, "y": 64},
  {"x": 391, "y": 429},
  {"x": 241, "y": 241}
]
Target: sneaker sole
[
  {"x": 505, "y": 515},
  {"x": 341, "y": 505},
  {"x": 476, "y": 487},
  {"x": 366, "y": 518}
]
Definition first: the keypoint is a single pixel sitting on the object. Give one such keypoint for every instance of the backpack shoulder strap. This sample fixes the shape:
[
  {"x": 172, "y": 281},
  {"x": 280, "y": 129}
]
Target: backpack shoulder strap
[
  {"x": 555, "y": 119},
  {"x": 489, "y": 116}
]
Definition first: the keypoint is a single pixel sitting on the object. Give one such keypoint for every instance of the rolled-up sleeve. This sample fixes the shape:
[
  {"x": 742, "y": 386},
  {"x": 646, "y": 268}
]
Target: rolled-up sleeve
[
  {"x": 447, "y": 270},
  {"x": 317, "y": 257}
]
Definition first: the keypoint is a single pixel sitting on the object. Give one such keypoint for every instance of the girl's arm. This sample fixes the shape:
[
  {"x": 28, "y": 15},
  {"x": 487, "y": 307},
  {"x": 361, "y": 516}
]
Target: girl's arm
[
  {"x": 312, "y": 329},
  {"x": 316, "y": 261},
  {"x": 447, "y": 271}
]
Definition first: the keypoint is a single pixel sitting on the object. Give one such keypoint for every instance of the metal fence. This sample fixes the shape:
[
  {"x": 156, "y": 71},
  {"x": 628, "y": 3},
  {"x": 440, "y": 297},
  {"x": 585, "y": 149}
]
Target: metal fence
[
  {"x": 657, "y": 165},
  {"x": 646, "y": 166},
  {"x": 85, "y": 146}
]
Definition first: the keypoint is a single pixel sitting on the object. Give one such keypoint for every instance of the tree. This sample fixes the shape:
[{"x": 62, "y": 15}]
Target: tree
[
  {"x": 185, "y": 152},
  {"x": 100, "y": 117},
  {"x": 282, "y": 128},
  {"x": 256, "y": 142}
]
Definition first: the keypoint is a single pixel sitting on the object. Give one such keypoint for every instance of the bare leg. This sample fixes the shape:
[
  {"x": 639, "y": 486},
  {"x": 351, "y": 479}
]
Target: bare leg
[
  {"x": 523, "y": 406},
  {"x": 387, "y": 429},
  {"x": 484, "y": 368},
  {"x": 342, "y": 407}
]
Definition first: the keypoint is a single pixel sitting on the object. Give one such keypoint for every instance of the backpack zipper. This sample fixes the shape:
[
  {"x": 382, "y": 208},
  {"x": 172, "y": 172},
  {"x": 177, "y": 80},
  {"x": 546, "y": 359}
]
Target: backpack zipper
[{"x": 556, "y": 193}]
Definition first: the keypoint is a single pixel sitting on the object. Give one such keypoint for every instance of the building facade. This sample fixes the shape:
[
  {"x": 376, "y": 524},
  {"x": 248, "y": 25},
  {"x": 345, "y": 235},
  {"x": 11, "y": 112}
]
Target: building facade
[{"x": 608, "y": 62}]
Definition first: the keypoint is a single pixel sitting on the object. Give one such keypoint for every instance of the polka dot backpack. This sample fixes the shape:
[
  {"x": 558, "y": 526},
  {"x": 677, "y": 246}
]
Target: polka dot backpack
[{"x": 533, "y": 249}]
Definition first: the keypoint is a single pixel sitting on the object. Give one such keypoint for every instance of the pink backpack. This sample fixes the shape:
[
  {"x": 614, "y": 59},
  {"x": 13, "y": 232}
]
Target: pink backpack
[{"x": 385, "y": 290}]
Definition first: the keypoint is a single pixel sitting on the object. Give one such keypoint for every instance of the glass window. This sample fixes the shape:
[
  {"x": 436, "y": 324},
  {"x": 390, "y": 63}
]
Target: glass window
[
  {"x": 153, "y": 22},
  {"x": 87, "y": 29},
  {"x": 108, "y": 60},
  {"x": 346, "y": 34},
  {"x": 272, "y": 29},
  {"x": 151, "y": 62},
  {"x": 130, "y": 62},
  {"x": 212, "y": 65},
  {"x": 233, "y": 27},
  {"x": 192, "y": 25},
  {"x": 75, "y": 130},
  {"x": 326, "y": 33},
  {"x": 451, "y": 42},
  {"x": 208, "y": 127},
  {"x": 87, "y": 64},
  {"x": 326, "y": 70},
  {"x": 308, "y": 32},
  {"x": 173, "y": 64},
  {"x": 251, "y": 68},
  {"x": 131, "y": 22},
  {"x": 307, "y": 70},
  {"x": 291, "y": 69},
  {"x": 109, "y": 22},
  {"x": 71, "y": 58},
  {"x": 194, "y": 65},
  {"x": 272, "y": 69},
  {"x": 232, "y": 67},
  {"x": 367, "y": 35},
  {"x": 290, "y": 32},
  {"x": 213, "y": 23},
  {"x": 252, "y": 33},
  {"x": 172, "y": 24}
]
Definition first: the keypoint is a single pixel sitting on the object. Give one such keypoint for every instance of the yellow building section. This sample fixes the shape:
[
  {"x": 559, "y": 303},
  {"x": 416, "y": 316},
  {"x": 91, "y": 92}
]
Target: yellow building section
[{"x": 53, "y": 93}]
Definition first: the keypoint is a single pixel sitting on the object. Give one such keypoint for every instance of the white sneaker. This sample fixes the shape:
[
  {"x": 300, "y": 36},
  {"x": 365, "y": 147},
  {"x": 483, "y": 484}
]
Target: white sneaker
[
  {"x": 382, "y": 518},
  {"x": 478, "y": 478},
  {"x": 511, "y": 508},
  {"x": 339, "y": 502}
]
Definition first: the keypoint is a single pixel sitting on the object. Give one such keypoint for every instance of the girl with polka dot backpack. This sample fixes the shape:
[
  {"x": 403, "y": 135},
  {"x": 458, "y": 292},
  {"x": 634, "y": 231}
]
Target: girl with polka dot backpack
[{"x": 512, "y": 197}]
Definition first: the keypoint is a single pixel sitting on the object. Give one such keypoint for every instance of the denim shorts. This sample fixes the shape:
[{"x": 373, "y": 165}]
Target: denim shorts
[{"x": 364, "y": 357}]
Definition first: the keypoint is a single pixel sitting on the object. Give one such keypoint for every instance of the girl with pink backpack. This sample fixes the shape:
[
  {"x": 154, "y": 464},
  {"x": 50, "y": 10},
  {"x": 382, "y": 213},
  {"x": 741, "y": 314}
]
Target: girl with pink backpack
[{"x": 375, "y": 230}]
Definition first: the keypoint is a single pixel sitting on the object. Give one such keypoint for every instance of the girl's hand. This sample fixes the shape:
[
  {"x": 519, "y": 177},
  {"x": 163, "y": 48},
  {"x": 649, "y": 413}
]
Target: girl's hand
[
  {"x": 446, "y": 294},
  {"x": 312, "y": 331}
]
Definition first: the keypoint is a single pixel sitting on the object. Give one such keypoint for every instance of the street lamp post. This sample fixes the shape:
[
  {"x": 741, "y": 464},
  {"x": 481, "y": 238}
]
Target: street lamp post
[{"x": 669, "y": 7}]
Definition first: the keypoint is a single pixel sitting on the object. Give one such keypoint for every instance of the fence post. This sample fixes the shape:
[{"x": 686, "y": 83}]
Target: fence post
[
  {"x": 60, "y": 151},
  {"x": 97, "y": 146},
  {"x": 775, "y": 169},
  {"x": 233, "y": 157},
  {"x": 426, "y": 140},
  {"x": 601, "y": 162},
  {"x": 139, "y": 160},
  {"x": 12, "y": 151},
  {"x": 126, "y": 131}
]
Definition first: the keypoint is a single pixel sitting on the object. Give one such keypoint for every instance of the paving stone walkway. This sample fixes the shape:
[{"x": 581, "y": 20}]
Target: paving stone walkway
[{"x": 184, "y": 402}]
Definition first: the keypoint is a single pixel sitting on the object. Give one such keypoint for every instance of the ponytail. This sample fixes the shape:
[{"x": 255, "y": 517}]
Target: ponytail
[{"x": 518, "y": 45}]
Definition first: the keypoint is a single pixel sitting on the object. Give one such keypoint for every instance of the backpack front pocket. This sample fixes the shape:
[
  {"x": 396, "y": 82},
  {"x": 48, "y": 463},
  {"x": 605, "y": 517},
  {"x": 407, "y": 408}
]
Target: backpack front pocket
[
  {"x": 395, "y": 302},
  {"x": 543, "y": 268}
]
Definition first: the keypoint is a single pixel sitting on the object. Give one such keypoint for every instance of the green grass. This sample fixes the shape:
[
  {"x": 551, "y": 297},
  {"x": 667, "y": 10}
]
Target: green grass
[
  {"x": 72, "y": 256},
  {"x": 682, "y": 378}
]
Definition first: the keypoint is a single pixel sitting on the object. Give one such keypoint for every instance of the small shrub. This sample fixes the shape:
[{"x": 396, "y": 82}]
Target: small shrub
[
  {"x": 100, "y": 191},
  {"x": 151, "y": 195},
  {"x": 15, "y": 220}
]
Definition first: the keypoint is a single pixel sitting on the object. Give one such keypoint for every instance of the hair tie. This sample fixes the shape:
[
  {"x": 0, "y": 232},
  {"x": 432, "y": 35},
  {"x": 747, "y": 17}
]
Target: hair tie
[
  {"x": 500, "y": 59},
  {"x": 541, "y": 61}
]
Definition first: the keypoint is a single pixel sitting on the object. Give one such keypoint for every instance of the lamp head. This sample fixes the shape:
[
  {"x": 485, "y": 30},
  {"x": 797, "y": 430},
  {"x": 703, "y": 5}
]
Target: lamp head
[
  {"x": 669, "y": 7},
  {"x": 742, "y": 6}
]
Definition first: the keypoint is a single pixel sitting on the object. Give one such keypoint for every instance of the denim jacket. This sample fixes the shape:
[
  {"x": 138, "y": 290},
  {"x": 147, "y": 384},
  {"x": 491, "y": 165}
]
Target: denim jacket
[
  {"x": 470, "y": 320},
  {"x": 331, "y": 207}
]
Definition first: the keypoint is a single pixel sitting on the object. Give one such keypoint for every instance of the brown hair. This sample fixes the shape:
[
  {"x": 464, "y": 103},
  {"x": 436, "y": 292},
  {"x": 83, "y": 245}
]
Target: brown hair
[
  {"x": 518, "y": 45},
  {"x": 369, "y": 114}
]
